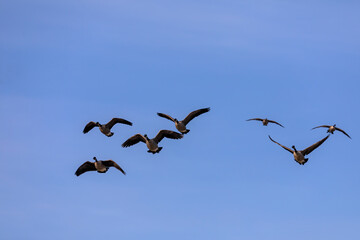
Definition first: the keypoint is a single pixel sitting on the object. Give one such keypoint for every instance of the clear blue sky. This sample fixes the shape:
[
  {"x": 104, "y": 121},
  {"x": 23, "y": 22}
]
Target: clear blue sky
[{"x": 64, "y": 63}]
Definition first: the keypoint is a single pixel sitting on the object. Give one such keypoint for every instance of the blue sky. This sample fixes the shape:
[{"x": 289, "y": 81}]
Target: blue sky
[{"x": 64, "y": 63}]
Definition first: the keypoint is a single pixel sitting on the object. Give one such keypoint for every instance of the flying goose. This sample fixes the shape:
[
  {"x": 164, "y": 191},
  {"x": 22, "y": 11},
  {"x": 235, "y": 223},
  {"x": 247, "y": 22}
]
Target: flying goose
[
  {"x": 152, "y": 144},
  {"x": 181, "y": 125},
  {"x": 265, "y": 121},
  {"x": 105, "y": 128},
  {"x": 99, "y": 166},
  {"x": 299, "y": 156},
  {"x": 331, "y": 129}
]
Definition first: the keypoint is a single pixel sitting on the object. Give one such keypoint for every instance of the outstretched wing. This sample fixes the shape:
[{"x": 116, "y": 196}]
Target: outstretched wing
[
  {"x": 111, "y": 163},
  {"x": 117, "y": 120},
  {"x": 339, "y": 129},
  {"x": 89, "y": 126},
  {"x": 272, "y": 121},
  {"x": 325, "y": 126},
  {"x": 85, "y": 167},
  {"x": 165, "y": 116},
  {"x": 308, "y": 150},
  {"x": 168, "y": 134},
  {"x": 134, "y": 140},
  {"x": 194, "y": 114},
  {"x": 257, "y": 119},
  {"x": 286, "y": 148}
]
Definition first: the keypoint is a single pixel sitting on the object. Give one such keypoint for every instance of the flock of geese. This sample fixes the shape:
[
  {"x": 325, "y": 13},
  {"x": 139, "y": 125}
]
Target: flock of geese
[
  {"x": 299, "y": 156},
  {"x": 102, "y": 166}
]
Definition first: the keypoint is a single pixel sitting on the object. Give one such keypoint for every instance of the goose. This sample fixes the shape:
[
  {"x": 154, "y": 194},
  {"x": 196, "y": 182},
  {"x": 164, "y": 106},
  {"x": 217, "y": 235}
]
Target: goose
[
  {"x": 299, "y": 156},
  {"x": 265, "y": 121},
  {"x": 181, "y": 125},
  {"x": 331, "y": 129},
  {"x": 105, "y": 128},
  {"x": 152, "y": 144},
  {"x": 99, "y": 166}
]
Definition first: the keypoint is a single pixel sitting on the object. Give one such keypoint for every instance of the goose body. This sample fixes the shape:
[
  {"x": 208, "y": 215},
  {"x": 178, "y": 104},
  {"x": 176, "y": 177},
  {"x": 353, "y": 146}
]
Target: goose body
[
  {"x": 332, "y": 129},
  {"x": 105, "y": 128},
  {"x": 299, "y": 156},
  {"x": 152, "y": 144},
  {"x": 101, "y": 166},
  {"x": 265, "y": 121},
  {"x": 181, "y": 125}
]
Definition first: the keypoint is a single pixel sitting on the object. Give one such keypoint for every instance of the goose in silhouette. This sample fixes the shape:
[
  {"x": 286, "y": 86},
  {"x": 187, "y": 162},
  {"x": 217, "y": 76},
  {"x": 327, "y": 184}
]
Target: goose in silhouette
[
  {"x": 99, "y": 166},
  {"x": 331, "y": 129},
  {"x": 265, "y": 121},
  {"x": 181, "y": 125},
  {"x": 152, "y": 144},
  {"x": 105, "y": 128},
  {"x": 299, "y": 156}
]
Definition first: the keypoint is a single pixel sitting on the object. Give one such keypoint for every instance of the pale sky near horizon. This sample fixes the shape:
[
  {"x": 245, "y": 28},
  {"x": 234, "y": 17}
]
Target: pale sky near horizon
[{"x": 65, "y": 63}]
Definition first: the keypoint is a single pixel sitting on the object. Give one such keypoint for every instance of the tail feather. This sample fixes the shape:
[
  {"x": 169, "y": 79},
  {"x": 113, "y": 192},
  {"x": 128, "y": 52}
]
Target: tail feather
[{"x": 186, "y": 131}]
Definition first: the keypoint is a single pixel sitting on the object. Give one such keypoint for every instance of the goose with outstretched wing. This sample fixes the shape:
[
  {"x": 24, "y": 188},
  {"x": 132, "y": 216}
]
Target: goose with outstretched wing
[
  {"x": 299, "y": 156},
  {"x": 181, "y": 125},
  {"x": 152, "y": 144},
  {"x": 332, "y": 129},
  {"x": 101, "y": 166},
  {"x": 105, "y": 128},
  {"x": 264, "y": 121}
]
